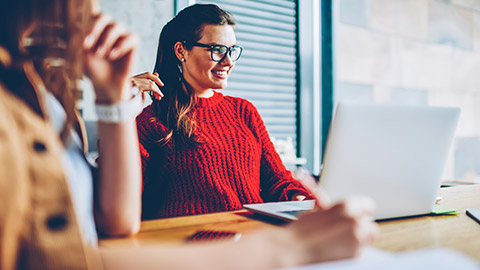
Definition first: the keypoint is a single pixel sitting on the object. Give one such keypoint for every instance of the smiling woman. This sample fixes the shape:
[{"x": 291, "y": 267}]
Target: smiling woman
[
  {"x": 204, "y": 152},
  {"x": 205, "y": 67}
]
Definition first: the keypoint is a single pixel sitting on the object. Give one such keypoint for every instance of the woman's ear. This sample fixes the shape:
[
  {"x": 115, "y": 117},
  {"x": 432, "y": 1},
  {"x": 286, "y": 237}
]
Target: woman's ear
[{"x": 179, "y": 51}]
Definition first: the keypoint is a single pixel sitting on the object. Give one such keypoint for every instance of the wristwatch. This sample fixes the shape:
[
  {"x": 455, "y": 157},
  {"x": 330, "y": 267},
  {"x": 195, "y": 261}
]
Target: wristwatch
[{"x": 121, "y": 111}]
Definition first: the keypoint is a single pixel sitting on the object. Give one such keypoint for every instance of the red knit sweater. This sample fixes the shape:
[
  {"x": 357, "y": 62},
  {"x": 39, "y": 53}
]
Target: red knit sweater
[{"x": 237, "y": 163}]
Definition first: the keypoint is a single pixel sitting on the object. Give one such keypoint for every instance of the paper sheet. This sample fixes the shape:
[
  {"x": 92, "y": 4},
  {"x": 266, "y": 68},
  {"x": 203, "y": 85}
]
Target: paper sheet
[{"x": 373, "y": 259}]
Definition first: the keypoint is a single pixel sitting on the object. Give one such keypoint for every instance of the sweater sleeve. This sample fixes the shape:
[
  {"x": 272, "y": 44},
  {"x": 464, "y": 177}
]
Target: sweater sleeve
[
  {"x": 277, "y": 183},
  {"x": 149, "y": 132},
  {"x": 144, "y": 155}
]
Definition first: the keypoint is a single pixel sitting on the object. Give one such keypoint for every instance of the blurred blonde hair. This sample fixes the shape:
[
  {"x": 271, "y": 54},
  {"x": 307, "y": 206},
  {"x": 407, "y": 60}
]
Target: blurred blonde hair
[{"x": 44, "y": 37}]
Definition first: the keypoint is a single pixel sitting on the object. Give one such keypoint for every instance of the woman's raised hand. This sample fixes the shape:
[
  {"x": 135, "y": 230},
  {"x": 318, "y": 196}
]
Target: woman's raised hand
[
  {"x": 109, "y": 58},
  {"x": 148, "y": 82}
]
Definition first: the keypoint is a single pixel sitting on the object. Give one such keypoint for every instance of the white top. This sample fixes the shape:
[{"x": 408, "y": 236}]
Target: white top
[{"x": 78, "y": 173}]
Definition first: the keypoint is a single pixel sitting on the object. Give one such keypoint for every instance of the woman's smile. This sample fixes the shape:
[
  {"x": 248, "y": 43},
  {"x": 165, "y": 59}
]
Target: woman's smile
[{"x": 200, "y": 70}]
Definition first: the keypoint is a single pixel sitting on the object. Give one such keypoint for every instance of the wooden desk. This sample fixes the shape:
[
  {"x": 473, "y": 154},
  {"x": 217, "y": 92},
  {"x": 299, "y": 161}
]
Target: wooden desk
[{"x": 458, "y": 232}]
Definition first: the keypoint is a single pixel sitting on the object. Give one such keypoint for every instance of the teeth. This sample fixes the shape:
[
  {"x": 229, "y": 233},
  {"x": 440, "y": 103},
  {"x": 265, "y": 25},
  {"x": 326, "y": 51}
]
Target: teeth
[{"x": 220, "y": 72}]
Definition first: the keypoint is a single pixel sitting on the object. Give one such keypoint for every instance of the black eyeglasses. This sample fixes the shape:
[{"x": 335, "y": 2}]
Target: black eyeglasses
[{"x": 218, "y": 52}]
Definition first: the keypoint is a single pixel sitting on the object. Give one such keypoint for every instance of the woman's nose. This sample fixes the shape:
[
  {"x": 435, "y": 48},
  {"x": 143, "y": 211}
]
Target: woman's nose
[{"x": 227, "y": 61}]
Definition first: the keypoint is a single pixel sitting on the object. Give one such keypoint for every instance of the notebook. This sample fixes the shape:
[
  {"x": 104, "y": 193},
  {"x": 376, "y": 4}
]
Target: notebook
[{"x": 394, "y": 154}]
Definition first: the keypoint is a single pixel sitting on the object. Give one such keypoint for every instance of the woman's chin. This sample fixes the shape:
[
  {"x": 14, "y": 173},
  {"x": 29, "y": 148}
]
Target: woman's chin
[{"x": 222, "y": 85}]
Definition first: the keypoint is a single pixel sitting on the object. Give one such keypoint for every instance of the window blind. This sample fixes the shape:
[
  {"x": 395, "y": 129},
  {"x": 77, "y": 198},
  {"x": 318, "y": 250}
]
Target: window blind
[{"x": 266, "y": 74}]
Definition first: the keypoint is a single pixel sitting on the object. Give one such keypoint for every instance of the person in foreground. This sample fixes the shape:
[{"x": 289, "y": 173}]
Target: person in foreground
[
  {"x": 201, "y": 151},
  {"x": 46, "y": 218}
]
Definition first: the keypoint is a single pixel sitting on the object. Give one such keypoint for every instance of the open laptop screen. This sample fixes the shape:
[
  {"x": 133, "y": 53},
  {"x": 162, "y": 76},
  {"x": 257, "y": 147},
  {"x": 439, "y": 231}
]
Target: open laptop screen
[{"x": 395, "y": 154}]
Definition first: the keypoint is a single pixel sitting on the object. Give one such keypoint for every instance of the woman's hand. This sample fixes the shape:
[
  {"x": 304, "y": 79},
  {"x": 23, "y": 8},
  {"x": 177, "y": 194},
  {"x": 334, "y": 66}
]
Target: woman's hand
[
  {"x": 315, "y": 191},
  {"x": 338, "y": 232},
  {"x": 147, "y": 82},
  {"x": 109, "y": 52},
  {"x": 109, "y": 55}
]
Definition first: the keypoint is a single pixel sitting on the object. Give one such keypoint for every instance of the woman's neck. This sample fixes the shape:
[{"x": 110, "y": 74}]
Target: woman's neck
[{"x": 204, "y": 93}]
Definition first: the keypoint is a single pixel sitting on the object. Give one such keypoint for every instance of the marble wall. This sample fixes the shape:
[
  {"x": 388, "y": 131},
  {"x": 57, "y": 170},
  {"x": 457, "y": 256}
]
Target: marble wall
[{"x": 414, "y": 52}]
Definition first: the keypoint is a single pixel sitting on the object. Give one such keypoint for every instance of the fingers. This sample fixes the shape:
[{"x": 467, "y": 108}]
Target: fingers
[
  {"x": 148, "y": 82},
  {"x": 367, "y": 231},
  {"x": 109, "y": 39},
  {"x": 122, "y": 47},
  {"x": 94, "y": 7},
  {"x": 299, "y": 198},
  {"x": 147, "y": 75},
  {"x": 356, "y": 214},
  {"x": 323, "y": 200},
  {"x": 309, "y": 182},
  {"x": 100, "y": 22},
  {"x": 357, "y": 207},
  {"x": 344, "y": 228},
  {"x": 112, "y": 34}
]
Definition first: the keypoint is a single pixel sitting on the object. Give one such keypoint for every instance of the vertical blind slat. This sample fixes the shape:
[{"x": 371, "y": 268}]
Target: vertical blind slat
[{"x": 267, "y": 70}]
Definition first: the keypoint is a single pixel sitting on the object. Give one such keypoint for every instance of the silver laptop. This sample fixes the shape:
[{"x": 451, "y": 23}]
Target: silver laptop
[{"x": 395, "y": 154}]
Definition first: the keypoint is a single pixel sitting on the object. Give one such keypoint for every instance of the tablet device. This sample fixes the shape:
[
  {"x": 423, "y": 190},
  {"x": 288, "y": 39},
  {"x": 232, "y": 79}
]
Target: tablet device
[{"x": 474, "y": 213}]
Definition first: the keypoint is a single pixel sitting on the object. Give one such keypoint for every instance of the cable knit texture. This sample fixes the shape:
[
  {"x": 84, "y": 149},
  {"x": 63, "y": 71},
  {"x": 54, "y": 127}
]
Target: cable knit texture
[{"x": 236, "y": 163}]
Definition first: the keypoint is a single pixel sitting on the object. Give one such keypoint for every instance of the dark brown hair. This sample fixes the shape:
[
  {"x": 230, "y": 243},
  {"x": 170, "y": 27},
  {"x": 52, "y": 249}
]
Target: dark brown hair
[
  {"x": 43, "y": 37},
  {"x": 175, "y": 108}
]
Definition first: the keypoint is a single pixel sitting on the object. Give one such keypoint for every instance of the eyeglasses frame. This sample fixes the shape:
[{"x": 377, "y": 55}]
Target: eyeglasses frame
[{"x": 212, "y": 46}]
